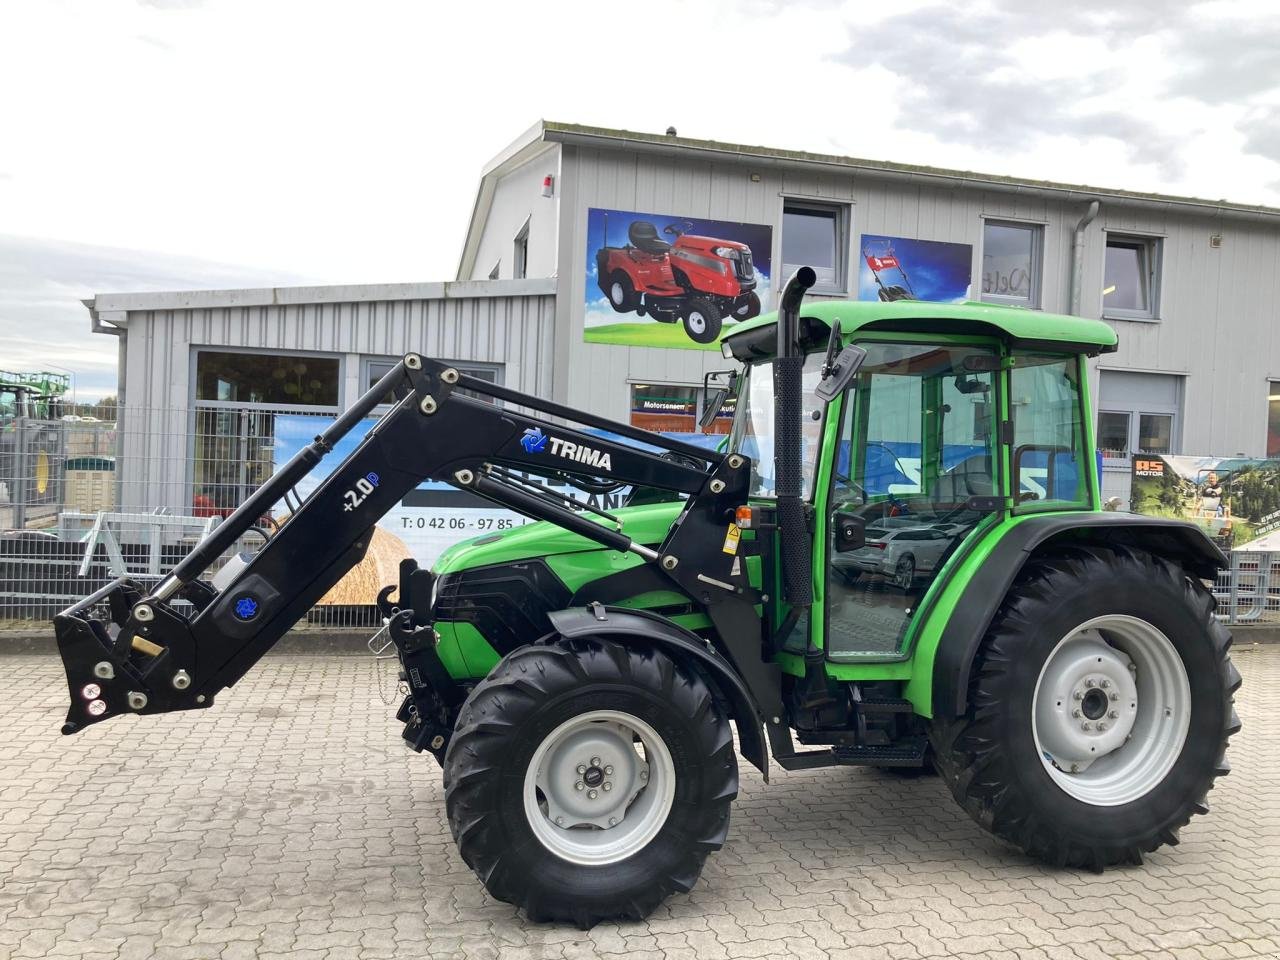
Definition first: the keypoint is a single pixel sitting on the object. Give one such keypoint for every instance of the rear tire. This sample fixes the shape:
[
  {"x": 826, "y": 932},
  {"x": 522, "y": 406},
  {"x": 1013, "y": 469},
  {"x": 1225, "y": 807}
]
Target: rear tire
[
  {"x": 518, "y": 739},
  {"x": 702, "y": 320},
  {"x": 749, "y": 308},
  {"x": 1011, "y": 760},
  {"x": 621, "y": 293}
]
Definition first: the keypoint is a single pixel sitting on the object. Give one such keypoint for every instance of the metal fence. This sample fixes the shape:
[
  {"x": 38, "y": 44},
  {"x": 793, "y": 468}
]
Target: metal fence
[
  {"x": 115, "y": 492},
  {"x": 128, "y": 492}
]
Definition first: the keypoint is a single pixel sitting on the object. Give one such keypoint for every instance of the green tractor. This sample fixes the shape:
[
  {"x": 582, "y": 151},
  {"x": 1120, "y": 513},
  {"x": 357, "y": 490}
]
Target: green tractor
[{"x": 898, "y": 560}]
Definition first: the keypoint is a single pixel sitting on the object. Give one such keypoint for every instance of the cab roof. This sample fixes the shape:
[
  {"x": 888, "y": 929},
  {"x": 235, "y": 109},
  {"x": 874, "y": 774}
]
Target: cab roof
[{"x": 1019, "y": 326}]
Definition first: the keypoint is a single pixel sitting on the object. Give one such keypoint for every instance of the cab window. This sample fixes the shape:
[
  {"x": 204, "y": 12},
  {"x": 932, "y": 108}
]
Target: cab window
[{"x": 1048, "y": 462}]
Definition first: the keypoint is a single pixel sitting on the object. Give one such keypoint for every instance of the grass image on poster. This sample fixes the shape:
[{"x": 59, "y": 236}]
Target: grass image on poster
[
  {"x": 898, "y": 268},
  {"x": 669, "y": 281},
  {"x": 1235, "y": 500}
]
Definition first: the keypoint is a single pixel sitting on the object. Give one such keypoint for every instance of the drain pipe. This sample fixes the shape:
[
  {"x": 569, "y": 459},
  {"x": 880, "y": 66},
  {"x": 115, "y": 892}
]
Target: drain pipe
[{"x": 1077, "y": 256}]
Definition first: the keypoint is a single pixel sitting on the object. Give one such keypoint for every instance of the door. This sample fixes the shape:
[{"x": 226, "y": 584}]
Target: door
[{"x": 916, "y": 468}]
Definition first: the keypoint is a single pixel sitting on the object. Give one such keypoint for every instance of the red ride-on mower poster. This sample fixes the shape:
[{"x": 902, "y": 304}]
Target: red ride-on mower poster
[{"x": 655, "y": 280}]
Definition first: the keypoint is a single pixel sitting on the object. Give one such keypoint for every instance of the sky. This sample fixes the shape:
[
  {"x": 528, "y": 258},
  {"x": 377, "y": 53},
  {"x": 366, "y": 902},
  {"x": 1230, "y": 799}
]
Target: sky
[{"x": 183, "y": 144}]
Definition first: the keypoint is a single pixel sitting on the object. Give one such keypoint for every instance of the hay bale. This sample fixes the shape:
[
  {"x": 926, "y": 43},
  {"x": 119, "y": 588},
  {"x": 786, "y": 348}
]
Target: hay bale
[{"x": 380, "y": 566}]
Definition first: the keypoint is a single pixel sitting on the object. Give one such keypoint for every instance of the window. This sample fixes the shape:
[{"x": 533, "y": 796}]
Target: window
[
  {"x": 493, "y": 274},
  {"x": 520, "y": 259},
  {"x": 239, "y": 398},
  {"x": 1049, "y": 465},
  {"x": 1113, "y": 435},
  {"x": 1011, "y": 256},
  {"x": 1131, "y": 278},
  {"x": 1155, "y": 433},
  {"x": 1273, "y": 419},
  {"x": 375, "y": 370},
  {"x": 266, "y": 378},
  {"x": 668, "y": 408},
  {"x": 813, "y": 235},
  {"x": 752, "y": 433}
]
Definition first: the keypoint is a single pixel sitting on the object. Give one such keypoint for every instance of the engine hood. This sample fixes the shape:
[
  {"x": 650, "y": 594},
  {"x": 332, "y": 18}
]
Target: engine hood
[{"x": 647, "y": 524}]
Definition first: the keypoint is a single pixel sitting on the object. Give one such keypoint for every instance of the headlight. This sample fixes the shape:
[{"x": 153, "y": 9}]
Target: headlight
[{"x": 729, "y": 253}]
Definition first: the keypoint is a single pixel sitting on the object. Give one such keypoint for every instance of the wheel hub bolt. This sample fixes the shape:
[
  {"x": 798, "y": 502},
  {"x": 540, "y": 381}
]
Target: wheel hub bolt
[
  {"x": 1105, "y": 683},
  {"x": 1114, "y": 695},
  {"x": 607, "y": 786},
  {"x": 1086, "y": 725},
  {"x": 1114, "y": 714},
  {"x": 1089, "y": 682},
  {"x": 582, "y": 768},
  {"x": 579, "y": 785},
  {"x": 608, "y": 771},
  {"x": 559, "y": 821},
  {"x": 591, "y": 794},
  {"x": 1102, "y": 726},
  {"x": 613, "y": 821},
  {"x": 1075, "y": 713},
  {"x": 1077, "y": 695},
  {"x": 595, "y": 761}
]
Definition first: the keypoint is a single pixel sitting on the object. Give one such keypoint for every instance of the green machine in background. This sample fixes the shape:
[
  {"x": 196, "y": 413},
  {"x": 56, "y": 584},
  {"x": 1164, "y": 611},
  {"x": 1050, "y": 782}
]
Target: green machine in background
[{"x": 30, "y": 445}]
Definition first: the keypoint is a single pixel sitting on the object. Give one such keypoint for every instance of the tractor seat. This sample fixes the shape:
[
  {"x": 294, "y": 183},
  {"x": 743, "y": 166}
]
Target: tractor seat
[{"x": 644, "y": 236}]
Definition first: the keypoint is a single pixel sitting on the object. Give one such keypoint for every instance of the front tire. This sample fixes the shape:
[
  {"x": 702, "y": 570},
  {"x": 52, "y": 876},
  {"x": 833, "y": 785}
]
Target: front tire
[
  {"x": 702, "y": 320},
  {"x": 1026, "y": 768},
  {"x": 622, "y": 293},
  {"x": 643, "y": 724}
]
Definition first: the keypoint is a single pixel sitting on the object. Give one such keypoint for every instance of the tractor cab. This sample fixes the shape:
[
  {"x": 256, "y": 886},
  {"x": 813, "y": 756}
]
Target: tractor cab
[{"x": 958, "y": 418}]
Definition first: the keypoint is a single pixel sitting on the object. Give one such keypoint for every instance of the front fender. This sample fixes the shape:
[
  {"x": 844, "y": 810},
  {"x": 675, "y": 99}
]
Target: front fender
[
  {"x": 952, "y": 659},
  {"x": 640, "y": 626}
]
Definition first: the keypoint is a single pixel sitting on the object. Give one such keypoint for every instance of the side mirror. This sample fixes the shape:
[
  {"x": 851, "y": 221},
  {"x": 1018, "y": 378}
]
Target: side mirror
[
  {"x": 713, "y": 397},
  {"x": 851, "y": 533},
  {"x": 838, "y": 373},
  {"x": 712, "y": 401}
]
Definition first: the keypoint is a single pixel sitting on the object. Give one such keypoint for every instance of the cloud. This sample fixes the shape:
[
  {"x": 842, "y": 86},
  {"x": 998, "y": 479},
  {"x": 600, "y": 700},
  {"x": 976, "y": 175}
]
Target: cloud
[
  {"x": 979, "y": 77},
  {"x": 43, "y": 322}
]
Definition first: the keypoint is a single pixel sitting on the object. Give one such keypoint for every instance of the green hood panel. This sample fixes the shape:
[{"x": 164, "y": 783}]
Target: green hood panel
[{"x": 647, "y": 524}]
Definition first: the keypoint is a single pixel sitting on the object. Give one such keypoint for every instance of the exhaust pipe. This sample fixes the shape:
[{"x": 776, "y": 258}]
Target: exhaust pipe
[{"x": 788, "y": 448}]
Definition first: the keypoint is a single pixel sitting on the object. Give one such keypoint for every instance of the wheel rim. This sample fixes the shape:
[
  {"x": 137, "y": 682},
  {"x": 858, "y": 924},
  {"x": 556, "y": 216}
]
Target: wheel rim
[
  {"x": 697, "y": 322},
  {"x": 590, "y": 796},
  {"x": 616, "y": 293},
  {"x": 905, "y": 572},
  {"x": 1111, "y": 710}
]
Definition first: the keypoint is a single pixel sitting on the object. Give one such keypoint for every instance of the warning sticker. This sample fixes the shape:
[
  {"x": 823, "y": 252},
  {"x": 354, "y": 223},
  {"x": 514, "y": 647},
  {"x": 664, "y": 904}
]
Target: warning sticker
[{"x": 731, "y": 539}]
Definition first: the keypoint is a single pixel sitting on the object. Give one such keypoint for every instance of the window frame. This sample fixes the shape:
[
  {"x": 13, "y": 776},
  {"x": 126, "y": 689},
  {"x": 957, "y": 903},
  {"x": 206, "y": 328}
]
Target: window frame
[
  {"x": 1090, "y": 477},
  {"x": 367, "y": 360},
  {"x": 520, "y": 252},
  {"x": 194, "y": 389},
  {"x": 840, "y": 284},
  {"x": 1035, "y": 300},
  {"x": 1152, "y": 248}
]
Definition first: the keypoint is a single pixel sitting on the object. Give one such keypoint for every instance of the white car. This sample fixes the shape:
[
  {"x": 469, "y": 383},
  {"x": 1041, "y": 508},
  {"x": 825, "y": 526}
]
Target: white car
[{"x": 901, "y": 549}]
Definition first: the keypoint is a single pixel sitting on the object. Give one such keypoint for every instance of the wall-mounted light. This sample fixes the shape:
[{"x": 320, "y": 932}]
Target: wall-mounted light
[
  {"x": 548, "y": 185},
  {"x": 755, "y": 178},
  {"x": 1215, "y": 240}
]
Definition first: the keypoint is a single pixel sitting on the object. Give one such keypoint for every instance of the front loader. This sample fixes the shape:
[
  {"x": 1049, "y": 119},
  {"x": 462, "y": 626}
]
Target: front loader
[{"x": 899, "y": 560}]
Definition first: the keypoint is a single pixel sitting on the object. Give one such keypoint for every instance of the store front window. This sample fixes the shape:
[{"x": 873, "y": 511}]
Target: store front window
[{"x": 673, "y": 408}]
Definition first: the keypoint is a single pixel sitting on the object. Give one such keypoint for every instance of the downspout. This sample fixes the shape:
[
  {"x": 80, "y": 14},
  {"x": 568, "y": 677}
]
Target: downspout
[{"x": 1077, "y": 256}]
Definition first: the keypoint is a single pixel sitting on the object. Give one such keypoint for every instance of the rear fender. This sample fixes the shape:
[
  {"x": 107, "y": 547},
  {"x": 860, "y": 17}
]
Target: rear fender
[
  {"x": 952, "y": 660},
  {"x": 633, "y": 627}
]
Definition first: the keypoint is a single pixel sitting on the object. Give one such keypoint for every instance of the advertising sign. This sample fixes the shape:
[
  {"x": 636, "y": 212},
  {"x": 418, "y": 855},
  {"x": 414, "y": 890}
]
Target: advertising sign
[
  {"x": 1235, "y": 500},
  {"x": 898, "y": 268},
  {"x": 671, "y": 281}
]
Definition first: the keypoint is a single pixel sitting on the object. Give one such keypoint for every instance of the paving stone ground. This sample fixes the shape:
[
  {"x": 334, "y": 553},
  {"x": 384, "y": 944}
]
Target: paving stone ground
[{"x": 288, "y": 821}]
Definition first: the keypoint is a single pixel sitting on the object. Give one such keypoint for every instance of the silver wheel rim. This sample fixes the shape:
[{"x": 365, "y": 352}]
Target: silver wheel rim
[
  {"x": 615, "y": 293},
  {"x": 697, "y": 322},
  {"x": 1111, "y": 710},
  {"x": 599, "y": 788},
  {"x": 905, "y": 572}
]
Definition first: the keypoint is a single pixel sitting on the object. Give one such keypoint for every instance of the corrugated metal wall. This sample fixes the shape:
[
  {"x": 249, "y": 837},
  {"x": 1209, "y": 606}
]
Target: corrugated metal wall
[
  {"x": 1217, "y": 320},
  {"x": 514, "y": 329}
]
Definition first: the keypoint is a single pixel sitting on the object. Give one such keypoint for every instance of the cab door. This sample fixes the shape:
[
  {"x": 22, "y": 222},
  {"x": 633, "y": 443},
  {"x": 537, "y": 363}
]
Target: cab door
[{"x": 915, "y": 471}]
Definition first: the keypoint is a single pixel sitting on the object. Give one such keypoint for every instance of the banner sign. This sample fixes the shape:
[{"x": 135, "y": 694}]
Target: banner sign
[
  {"x": 1235, "y": 500},
  {"x": 898, "y": 268},
  {"x": 671, "y": 281}
]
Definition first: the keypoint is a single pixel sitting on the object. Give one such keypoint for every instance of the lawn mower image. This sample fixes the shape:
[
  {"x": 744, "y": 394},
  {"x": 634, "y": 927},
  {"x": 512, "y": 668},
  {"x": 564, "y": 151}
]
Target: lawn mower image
[
  {"x": 699, "y": 280},
  {"x": 888, "y": 260}
]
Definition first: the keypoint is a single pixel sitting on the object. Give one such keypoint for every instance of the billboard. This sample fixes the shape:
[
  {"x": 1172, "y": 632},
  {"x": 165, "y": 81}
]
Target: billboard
[
  {"x": 898, "y": 268},
  {"x": 655, "y": 280},
  {"x": 1235, "y": 500}
]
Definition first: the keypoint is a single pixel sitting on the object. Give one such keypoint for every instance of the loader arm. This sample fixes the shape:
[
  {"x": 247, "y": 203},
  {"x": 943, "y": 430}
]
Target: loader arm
[{"x": 154, "y": 656}]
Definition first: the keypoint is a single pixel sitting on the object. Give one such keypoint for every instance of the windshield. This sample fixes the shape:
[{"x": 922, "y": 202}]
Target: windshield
[{"x": 753, "y": 424}]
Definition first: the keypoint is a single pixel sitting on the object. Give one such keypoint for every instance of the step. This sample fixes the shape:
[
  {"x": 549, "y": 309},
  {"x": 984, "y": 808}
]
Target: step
[
  {"x": 886, "y": 705},
  {"x": 908, "y": 752}
]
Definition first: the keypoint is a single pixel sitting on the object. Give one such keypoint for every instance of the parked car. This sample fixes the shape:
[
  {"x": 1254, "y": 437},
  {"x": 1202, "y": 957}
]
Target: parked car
[{"x": 899, "y": 549}]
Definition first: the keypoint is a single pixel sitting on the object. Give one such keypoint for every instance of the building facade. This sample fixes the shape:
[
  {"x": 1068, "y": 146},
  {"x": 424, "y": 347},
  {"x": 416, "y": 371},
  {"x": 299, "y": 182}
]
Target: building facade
[{"x": 568, "y": 217}]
